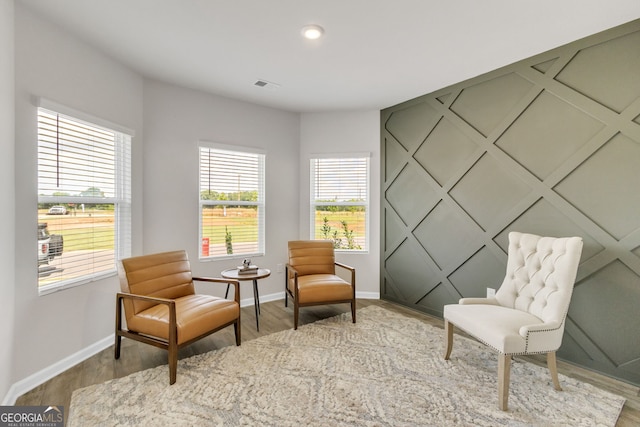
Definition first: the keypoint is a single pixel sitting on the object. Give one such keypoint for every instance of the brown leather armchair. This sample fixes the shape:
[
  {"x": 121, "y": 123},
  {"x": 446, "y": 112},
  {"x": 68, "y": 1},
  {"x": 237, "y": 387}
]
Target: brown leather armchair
[
  {"x": 162, "y": 309},
  {"x": 311, "y": 277}
]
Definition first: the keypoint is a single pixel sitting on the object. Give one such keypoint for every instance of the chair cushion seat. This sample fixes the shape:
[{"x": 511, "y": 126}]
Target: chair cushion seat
[
  {"x": 323, "y": 288},
  {"x": 195, "y": 315},
  {"x": 494, "y": 325}
]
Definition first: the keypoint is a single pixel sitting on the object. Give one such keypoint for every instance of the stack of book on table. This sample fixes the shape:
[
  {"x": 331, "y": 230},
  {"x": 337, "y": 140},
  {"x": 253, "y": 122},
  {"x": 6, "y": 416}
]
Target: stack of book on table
[{"x": 250, "y": 269}]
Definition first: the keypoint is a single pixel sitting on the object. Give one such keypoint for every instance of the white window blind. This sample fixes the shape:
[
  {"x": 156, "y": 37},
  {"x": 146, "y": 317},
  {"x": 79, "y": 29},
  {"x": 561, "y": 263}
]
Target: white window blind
[
  {"x": 84, "y": 200},
  {"x": 232, "y": 201},
  {"x": 340, "y": 201}
]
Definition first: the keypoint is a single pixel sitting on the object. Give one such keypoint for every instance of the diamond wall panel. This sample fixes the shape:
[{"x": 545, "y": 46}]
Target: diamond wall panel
[
  {"x": 407, "y": 264},
  {"x": 445, "y": 151},
  {"x": 412, "y": 125},
  {"x": 607, "y": 72},
  {"x": 395, "y": 158},
  {"x": 615, "y": 285},
  {"x": 443, "y": 233},
  {"x": 483, "y": 270},
  {"x": 488, "y": 190},
  {"x": 486, "y": 104},
  {"x": 411, "y": 209},
  {"x": 543, "y": 219},
  {"x": 608, "y": 198},
  {"x": 549, "y": 145},
  {"x": 547, "y": 133}
]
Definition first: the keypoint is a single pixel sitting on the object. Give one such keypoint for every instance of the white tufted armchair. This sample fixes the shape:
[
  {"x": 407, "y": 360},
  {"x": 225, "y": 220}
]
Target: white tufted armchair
[{"x": 527, "y": 314}]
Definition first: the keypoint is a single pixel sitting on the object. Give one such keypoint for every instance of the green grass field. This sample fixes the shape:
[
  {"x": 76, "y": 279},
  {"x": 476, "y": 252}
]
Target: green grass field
[{"x": 97, "y": 230}]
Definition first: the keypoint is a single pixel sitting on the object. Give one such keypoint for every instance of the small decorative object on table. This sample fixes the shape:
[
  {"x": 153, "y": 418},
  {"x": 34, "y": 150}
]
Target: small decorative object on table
[{"x": 247, "y": 267}]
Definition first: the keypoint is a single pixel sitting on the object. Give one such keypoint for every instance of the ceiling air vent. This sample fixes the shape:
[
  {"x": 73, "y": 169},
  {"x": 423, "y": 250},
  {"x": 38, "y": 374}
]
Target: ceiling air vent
[{"x": 266, "y": 85}]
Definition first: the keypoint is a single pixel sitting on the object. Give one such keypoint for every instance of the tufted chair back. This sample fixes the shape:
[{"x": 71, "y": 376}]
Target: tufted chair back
[{"x": 540, "y": 276}]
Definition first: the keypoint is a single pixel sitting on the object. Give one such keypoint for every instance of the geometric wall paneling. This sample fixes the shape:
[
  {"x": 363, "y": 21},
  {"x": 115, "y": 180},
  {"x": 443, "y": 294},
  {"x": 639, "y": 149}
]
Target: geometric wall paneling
[
  {"x": 433, "y": 302},
  {"x": 444, "y": 151},
  {"x": 394, "y": 230},
  {"x": 487, "y": 191},
  {"x": 615, "y": 285},
  {"x": 481, "y": 271},
  {"x": 549, "y": 145},
  {"x": 606, "y": 197},
  {"x": 543, "y": 67},
  {"x": 500, "y": 94},
  {"x": 447, "y": 237},
  {"x": 396, "y": 156},
  {"x": 411, "y": 209},
  {"x": 443, "y": 99},
  {"x": 407, "y": 261},
  {"x": 411, "y": 125},
  {"x": 544, "y": 219},
  {"x": 547, "y": 133},
  {"x": 606, "y": 72}
]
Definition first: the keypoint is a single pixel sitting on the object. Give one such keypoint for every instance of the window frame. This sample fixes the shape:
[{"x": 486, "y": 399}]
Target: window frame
[
  {"x": 121, "y": 200},
  {"x": 260, "y": 203},
  {"x": 366, "y": 203}
]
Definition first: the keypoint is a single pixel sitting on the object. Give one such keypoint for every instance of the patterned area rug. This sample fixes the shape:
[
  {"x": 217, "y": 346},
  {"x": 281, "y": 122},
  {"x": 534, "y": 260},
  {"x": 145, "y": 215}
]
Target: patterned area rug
[{"x": 385, "y": 370}]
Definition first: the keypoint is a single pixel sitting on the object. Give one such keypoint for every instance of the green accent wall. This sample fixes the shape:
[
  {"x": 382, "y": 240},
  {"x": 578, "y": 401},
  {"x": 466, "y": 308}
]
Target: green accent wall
[{"x": 549, "y": 145}]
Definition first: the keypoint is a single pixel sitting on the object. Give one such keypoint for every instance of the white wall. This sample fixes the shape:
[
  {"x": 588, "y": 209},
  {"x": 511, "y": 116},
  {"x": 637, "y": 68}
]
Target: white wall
[
  {"x": 50, "y": 63},
  {"x": 346, "y": 132},
  {"x": 175, "y": 119},
  {"x": 7, "y": 189}
]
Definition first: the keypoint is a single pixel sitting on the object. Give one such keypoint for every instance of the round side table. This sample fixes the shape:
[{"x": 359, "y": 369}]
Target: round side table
[{"x": 261, "y": 273}]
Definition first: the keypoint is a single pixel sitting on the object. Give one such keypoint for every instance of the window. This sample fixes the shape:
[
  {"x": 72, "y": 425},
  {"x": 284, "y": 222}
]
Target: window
[
  {"x": 231, "y": 202},
  {"x": 340, "y": 201},
  {"x": 84, "y": 198}
]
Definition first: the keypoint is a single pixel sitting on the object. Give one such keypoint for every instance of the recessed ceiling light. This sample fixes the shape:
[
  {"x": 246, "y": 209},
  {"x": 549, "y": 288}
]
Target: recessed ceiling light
[{"x": 312, "y": 32}]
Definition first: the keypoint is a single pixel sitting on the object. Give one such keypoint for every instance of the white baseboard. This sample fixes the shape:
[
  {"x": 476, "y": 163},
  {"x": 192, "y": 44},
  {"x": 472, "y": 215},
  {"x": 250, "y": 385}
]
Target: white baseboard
[
  {"x": 246, "y": 302},
  {"x": 368, "y": 295},
  {"x": 40, "y": 377}
]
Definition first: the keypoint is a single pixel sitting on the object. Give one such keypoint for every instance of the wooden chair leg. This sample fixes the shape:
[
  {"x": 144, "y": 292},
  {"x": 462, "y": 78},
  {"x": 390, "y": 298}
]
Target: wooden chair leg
[
  {"x": 117, "y": 346},
  {"x": 296, "y": 310},
  {"x": 353, "y": 310},
  {"x": 504, "y": 372},
  {"x": 448, "y": 333},
  {"x": 286, "y": 286},
  {"x": 173, "y": 362},
  {"x": 553, "y": 369},
  {"x": 173, "y": 343},
  {"x": 118, "y": 329},
  {"x": 237, "y": 329}
]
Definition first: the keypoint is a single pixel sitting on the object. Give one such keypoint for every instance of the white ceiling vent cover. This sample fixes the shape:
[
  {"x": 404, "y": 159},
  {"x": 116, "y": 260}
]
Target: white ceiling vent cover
[{"x": 266, "y": 85}]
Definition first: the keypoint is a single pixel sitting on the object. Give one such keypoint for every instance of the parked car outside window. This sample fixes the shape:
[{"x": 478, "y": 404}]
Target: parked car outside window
[{"x": 57, "y": 210}]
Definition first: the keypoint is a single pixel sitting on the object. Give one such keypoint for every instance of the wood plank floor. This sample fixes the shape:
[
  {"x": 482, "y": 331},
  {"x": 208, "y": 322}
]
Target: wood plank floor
[{"x": 274, "y": 317}]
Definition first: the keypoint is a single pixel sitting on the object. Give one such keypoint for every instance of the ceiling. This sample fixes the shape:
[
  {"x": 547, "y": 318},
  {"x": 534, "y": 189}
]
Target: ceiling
[{"x": 374, "y": 54}]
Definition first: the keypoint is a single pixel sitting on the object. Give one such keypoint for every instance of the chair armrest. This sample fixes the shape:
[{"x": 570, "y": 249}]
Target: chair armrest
[
  {"x": 234, "y": 282},
  {"x": 290, "y": 269},
  {"x": 173, "y": 329},
  {"x": 539, "y": 327},
  {"x": 339, "y": 264},
  {"x": 353, "y": 275},
  {"x": 157, "y": 300},
  {"x": 487, "y": 301}
]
